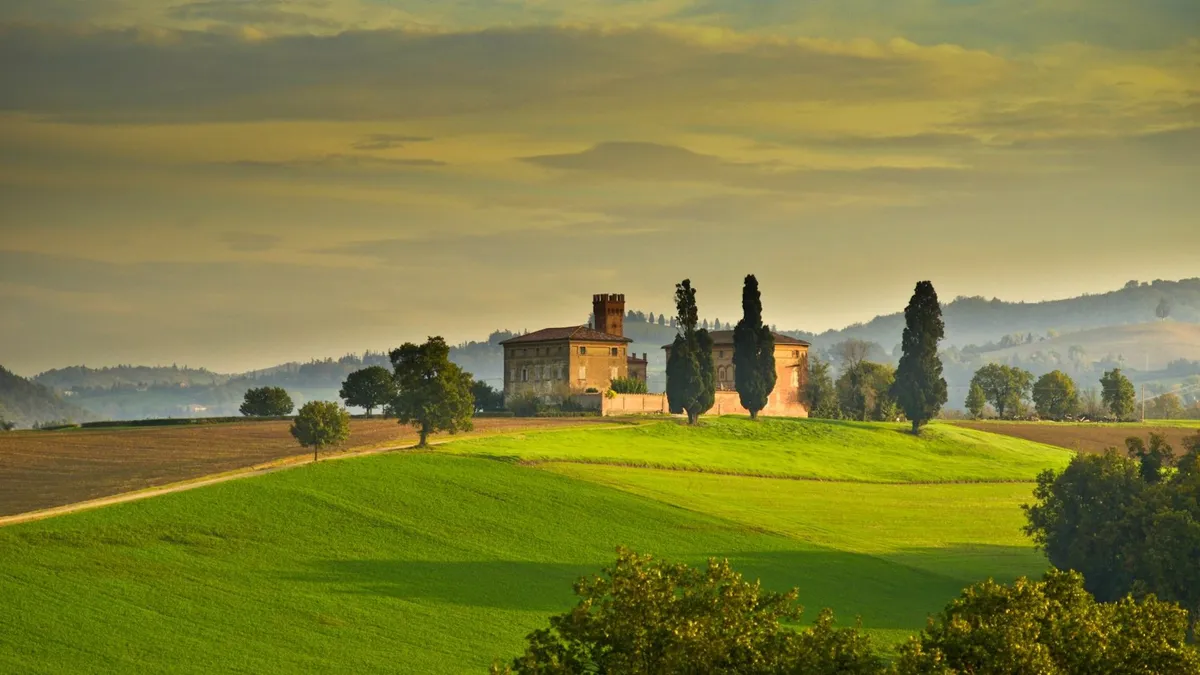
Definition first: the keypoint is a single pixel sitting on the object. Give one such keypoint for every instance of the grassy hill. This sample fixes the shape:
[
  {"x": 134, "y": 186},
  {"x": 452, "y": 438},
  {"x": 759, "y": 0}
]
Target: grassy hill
[
  {"x": 438, "y": 562},
  {"x": 27, "y": 403}
]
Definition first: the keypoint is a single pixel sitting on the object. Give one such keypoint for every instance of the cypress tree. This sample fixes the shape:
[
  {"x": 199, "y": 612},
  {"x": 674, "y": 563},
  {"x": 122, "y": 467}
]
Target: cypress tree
[
  {"x": 920, "y": 388},
  {"x": 691, "y": 376},
  {"x": 753, "y": 352}
]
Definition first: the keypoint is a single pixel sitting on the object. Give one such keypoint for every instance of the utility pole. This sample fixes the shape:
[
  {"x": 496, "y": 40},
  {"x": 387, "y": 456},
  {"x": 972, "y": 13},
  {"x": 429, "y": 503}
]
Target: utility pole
[{"x": 1143, "y": 403}]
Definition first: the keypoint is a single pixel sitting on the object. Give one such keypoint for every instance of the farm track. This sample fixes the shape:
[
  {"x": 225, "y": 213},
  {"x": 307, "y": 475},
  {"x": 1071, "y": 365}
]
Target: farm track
[{"x": 48, "y": 473}]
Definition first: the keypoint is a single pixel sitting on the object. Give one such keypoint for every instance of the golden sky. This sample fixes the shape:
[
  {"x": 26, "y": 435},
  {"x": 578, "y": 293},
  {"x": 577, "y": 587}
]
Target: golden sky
[{"x": 234, "y": 183}]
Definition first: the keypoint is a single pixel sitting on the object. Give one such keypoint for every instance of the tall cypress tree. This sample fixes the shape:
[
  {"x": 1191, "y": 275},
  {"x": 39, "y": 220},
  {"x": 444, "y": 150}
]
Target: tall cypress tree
[
  {"x": 920, "y": 388},
  {"x": 691, "y": 377},
  {"x": 753, "y": 352}
]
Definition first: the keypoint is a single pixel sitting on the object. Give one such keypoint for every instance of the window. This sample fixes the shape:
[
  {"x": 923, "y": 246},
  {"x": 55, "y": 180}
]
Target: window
[
  {"x": 583, "y": 350},
  {"x": 614, "y": 351},
  {"x": 583, "y": 372},
  {"x": 512, "y": 375},
  {"x": 720, "y": 355},
  {"x": 612, "y": 373},
  {"x": 524, "y": 374},
  {"x": 537, "y": 373},
  {"x": 796, "y": 353},
  {"x": 795, "y": 377}
]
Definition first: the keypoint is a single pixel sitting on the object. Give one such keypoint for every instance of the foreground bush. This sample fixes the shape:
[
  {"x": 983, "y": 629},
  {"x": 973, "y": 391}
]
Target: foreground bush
[
  {"x": 1050, "y": 627},
  {"x": 646, "y": 616}
]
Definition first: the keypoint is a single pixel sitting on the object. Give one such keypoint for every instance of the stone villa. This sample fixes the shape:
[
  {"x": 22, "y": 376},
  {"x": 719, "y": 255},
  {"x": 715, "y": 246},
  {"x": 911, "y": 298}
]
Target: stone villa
[
  {"x": 791, "y": 372},
  {"x": 558, "y": 362}
]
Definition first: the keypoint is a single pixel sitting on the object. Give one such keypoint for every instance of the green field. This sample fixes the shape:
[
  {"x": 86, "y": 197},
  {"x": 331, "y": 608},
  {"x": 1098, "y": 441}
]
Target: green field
[{"x": 439, "y": 562}]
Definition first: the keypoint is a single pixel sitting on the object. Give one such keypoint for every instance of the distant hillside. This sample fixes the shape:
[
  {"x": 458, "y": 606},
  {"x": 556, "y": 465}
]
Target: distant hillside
[
  {"x": 977, "y": 320},
  {"x": 1143, "y": 346},
  {"x": 28, "y": 403}
]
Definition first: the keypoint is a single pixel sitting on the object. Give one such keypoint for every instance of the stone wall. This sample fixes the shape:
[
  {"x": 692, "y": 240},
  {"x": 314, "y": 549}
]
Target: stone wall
[{"x": 779, "y": 404}]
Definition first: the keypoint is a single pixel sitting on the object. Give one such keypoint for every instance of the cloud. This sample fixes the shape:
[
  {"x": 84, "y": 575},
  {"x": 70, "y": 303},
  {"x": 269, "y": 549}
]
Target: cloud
[
  {"x": 250, "y": 242},
  {"x": 248, "y": 12},
  {"x": 336, "y": 161},
  {"x": 388, "y": 141}
]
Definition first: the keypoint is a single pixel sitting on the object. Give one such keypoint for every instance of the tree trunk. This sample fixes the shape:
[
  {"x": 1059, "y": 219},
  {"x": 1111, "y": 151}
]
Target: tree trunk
[
  {"x": 753, "y": 415},
  {"x": 916, "y": 427},
  {"x": 424, "y": 442},
  {"x": 314, "y": 453},
  {"x": 369, "y": 411},
  {"x": 692, "y": 417}
]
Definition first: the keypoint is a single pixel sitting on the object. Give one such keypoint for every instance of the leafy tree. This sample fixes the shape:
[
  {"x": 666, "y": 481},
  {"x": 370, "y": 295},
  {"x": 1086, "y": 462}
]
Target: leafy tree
[
  {"x": 434, "y": 393},
  {"x": 628, "y": 385},
  {"x": 1055, "y": 396},
  {"x": 1165, "y": 407},
  {"x": 1053, "y": 627},
  {"x": 267, "y": 402},
  {"x": 864, "y": 392},
  {"x": 691, "y": 376},
  {"x": 753, "y": 352},
  {"x": 487, "y": 398},
  {"x": 1118, "y": 393},
  {"x": 320, "y": 424},
  {"x": 1152, "y": 459},
  {"x": 369, "y": 388},
  {"x": 820, "y": 392},
  {"x": 1004, "y": 386},
  {"x": 976, "y": 400},
  {"x": 920, "y": 389},
  {"x": 645, "y": 616},
  {"x": 1163, "y": 310},
  {"x": 853, "y": 351}
]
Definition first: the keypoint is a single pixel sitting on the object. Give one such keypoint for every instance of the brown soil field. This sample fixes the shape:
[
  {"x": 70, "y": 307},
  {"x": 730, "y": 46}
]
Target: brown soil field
[
  {"x": 43, "y": 469},
  {"x": 1093, "y": 438}
]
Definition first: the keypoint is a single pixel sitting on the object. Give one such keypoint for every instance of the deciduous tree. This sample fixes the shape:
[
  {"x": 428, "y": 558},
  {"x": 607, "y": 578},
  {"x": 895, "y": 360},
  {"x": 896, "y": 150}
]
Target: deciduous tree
[
  {"x": 976, "y": 400},
  {"x": 691, "y": 376},
  {"x": 1055, "y": 396},
  {"x": 487, "y": 397},
  {"x": 645, "y": 616},
  {"x": 1118, "y": 393},
  {"x": 820, "y": 392},
  {"x": 753, "y": 352},
  {"x": 320, "y": 424},
  {"x": 369, "y": 388},
  {"x": 920, "y": 389},
  {"x": 434, "y": 393},
  {"x": 267, "y": 402},
  {"x": 1004, "y": 386},
  {"x": 864, "y": 392}
]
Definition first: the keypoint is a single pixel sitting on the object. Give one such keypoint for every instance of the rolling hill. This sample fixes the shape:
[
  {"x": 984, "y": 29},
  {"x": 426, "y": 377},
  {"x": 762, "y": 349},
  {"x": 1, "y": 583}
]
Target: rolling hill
[
  {"x": 441, "y": 562},
  {"x": 27, "y": 403}
]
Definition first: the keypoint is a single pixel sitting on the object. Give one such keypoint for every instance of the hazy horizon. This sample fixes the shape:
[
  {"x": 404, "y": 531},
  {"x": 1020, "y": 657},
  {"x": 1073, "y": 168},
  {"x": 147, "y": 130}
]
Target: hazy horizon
[{"x": 238, "y": 184}]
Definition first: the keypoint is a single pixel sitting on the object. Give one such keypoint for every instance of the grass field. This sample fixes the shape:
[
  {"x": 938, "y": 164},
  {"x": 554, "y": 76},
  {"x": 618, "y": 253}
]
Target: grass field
[
  {"x": 42, "y": 469},
  {"x": 791, "y": 448},
  {"x": 1089, "y": 436},
  {"x": 439, "y": 562}
]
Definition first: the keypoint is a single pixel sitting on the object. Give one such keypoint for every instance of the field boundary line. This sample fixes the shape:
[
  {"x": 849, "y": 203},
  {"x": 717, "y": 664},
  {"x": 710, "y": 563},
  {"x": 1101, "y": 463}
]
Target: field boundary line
[{"x": 265, "y": 468}]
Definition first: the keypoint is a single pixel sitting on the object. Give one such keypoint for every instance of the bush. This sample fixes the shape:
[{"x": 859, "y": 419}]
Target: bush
[
  {"x": 525, "y": 405},
  {"x": 628, "y": 385}
]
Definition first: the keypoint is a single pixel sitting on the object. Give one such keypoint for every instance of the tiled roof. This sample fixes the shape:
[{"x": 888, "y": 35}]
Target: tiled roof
[
  {"x": 580, "y": 333},
  {"x": 725, "y": 337}
]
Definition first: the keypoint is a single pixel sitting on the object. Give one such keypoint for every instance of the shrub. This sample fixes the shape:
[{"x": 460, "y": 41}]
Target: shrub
[
  {"x": 525, "y": 405},
  {"x": 628, "y": 385}
]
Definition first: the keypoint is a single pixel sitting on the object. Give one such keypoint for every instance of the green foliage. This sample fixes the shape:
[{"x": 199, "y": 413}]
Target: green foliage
[
  {"x": 1165, "y": 407},
  {"x": 267, "y": 402},
  {"x": 487, "y": 398},
  {"x": 320, "y": 424},
  {"x": 369, "y": 388},
  {"x": 753, "y": 352},
  {"x": 1005, "y": 387},
  {"x": 1050, "y": 627},
  {"x": 434, "y": 394},
  {"x": 976, "y": 400},
  {"x": 24, "y": 403},
  {"x": 645, "y": 616},
  {"x": 1118, "y": 394},
  {"x": 526, "y": 404},
  {"x": 691, "y": 375},
  {"x": 1129, "y": 525},
  {"x": 1055, "y": 396},
  {"x": 920, "y": 389},
  {"x": 628, "y": 385},
  {"x": 864, "y": 392},
  {"x": 820, "y": 392}
]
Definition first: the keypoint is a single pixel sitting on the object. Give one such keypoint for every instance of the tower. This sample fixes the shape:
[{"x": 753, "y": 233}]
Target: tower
[{"x": 608, "y": 312}]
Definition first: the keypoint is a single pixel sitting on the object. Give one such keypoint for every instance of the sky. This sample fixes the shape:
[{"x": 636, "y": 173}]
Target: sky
[{"x": 237, "y": 183}]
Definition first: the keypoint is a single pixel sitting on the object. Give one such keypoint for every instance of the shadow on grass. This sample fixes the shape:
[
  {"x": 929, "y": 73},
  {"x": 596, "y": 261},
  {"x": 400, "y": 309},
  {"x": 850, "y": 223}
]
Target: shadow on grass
[{"x": 897, "y": 591}]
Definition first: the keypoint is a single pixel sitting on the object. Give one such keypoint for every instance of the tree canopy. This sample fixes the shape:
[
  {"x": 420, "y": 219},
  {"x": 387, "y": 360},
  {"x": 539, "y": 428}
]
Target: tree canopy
[
  {"x": 976, "y": 400},
  {"x": 267, "y": 402},
  {"x": 1118, "y": 394},
  {"x": 1005, "y": 387},
  {"x": 753, "y": 352},
  {"x": 864, "y": 392},
  {"x": 1055, "y": 396},
  {"x": 320, "y": 424},
  {"x": 920, "y": 389},
  {"x": 434, "y": 393},
  {"x": 645, "y": 616},
  {"x": 691, "y": 375},
  {"x": 820, "y": 393},
  {"x": 369, "y": 388}
]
